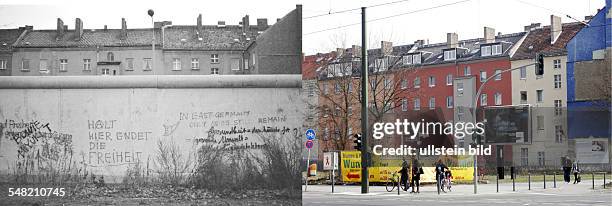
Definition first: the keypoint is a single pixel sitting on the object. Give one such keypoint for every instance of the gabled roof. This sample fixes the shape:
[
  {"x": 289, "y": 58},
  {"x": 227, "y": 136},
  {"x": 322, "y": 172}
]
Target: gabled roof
[
  {"x": 8, "y": 37},
  {"x": 229, "y": 37},
  {"x": 90, "y": 38},
  {"x": 538, "y": 41}
]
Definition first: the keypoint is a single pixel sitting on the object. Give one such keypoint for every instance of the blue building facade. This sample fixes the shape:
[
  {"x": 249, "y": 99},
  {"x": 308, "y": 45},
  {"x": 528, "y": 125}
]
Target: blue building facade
[{"x": 589, "y": 118}]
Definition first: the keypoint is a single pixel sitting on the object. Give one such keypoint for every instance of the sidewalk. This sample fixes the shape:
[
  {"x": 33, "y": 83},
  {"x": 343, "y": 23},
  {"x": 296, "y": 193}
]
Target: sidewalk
[{"x": 462, "y": 190}]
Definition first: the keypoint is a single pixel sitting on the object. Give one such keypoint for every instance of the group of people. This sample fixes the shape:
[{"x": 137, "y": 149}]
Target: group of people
[
  {"x": 442, "y": 172},
  {"x": 416, "y": 170},
  {"x": 569, "y": 167}
]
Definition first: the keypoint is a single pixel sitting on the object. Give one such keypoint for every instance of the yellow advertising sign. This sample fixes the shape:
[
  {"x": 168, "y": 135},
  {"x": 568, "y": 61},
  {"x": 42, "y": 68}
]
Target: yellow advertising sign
[{"x": 350, "y": 164}]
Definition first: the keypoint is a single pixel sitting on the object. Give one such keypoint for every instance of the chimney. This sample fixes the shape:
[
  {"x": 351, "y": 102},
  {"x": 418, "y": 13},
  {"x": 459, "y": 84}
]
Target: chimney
[
  {"x": 419, "y": 43},
  {"x": 339, "y": 51},
  {"x": 489, "y": 35},
  {"x": 555, "y": 28},
  {"x": 386, "y": 48},
  {"x": 78, "y": 29},
  {"x": 245, "y": 24},
  {"x": 452, "y": 40},
  {"x": 199, "y": 22},
  {"x": 105, "y": 27},
  {"x": 160, "y": 24},
  {"x": 60, "y": 29},
  {"x": 588, "y": 18},
  {"x": 123, "y": 34},
  {"x": 532, "y": 26},
  {"x": 356, "y": 51},
  {"x": 262, "y": 24},
  {"x": 220, "y": 24}
]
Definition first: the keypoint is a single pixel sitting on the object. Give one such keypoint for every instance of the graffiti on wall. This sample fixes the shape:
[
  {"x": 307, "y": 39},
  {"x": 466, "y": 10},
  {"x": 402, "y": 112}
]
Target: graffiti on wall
[
  {"x": 36, "y": 139},
  {"x": 105, "y": 140}
]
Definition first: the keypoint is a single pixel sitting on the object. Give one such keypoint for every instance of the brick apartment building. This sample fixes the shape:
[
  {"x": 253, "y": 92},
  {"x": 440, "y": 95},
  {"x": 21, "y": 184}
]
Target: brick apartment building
[{"x": 179, "y": 49}]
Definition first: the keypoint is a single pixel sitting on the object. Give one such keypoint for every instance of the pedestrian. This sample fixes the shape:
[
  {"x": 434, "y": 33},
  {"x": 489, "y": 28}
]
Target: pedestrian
[
  {"x": 417, "y": 170},
  {"x": 567, "y": 167},
  {"x": 576, "y": 171},
  {"x": 404, "y": 175}
]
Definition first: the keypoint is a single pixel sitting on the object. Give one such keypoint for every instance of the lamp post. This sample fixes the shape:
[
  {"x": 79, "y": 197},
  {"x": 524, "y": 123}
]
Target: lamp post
[{"x": 151, "y": 13}]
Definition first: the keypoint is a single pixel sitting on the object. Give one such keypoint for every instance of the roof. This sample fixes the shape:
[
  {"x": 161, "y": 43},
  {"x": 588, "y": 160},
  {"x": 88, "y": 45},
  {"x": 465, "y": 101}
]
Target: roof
[
  {"x": 90, "y": 38},
  {"x": 8, "y": 37},
  {"x": 538, "y": 41},
  {"x": 312, "y": 64},
  {"x": 229, "y": 37}
]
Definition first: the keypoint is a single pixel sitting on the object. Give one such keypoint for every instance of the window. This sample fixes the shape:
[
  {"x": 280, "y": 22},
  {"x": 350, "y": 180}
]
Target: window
[
  {"x": 498, "y": 75},
  {"x": 44, "y": 66},
  {"x": 86, "y": 64},
  {"x": 557, "y": 63},
  {"x": 350, "y": 111},
  {"x": 496, "y": 49},
  {"x": 558, "y": 107},
  {"x": 485, "y": 50},
  {"x": 558, "y": 133},
  {"x": 417, "y": 104},
  {"x": 176, "y": 64},
  {"x": 235, "y": 64},
  {"x": 541, "y": 159},
  {"x": 110, "y": 57},
  {"x": 450, "y": 55},
  {"x": 350, "y": 87},
  {"x": 129, "y": 64},
  {"x": 460, "y": 114},
  {"x": 214, "y": 58},
  {"x": 195, "y": 63},
  {"x": 388, "y": 83},
  {"x": 147, "y": 64},
  {"x": 326, "y": 133},
  {"x": 449, "y": 102},
  {"x": 449, "y": 79},
  {"x": 3, "y": 64},
  {"x": 337, "y": 88},
  {"x": 467, "y": 71},
  {"x": 337, "y": 111},
  {"x": 25, "y": 64},
  {"x": 381, "y": 64},
  {"x": 417, "y": 82},
  {"x": 325, "y": 91},
  {"x": 524, "y": 156},
  {"x": 483, "y": 76},
  {"x": 432, "y": 103},
  {"x": 498, "y": 98},
  {"x": 373, "y": 83},
  {"x": 407, "y": 60},
  {"x": 311, "y": 91},
  {"x": 540, "y": 95},
  {"x": 214, "y": 71},
  {"x": 63, "y": 65},
  {"x": 523, "y": 72},
  {"x": 416, "y": 58},
  {"x": 557, "y": 80},
  {"x": 404, "y": 104},
  {"x": 483, "y": 100},
  {"x": 105, "y": 71},
  {"x": 432, "y": 81},
  {"x": 540, "y": 122},
  {"x": 459, "y": 88},
  {"x": 404, "y": 84},
  {"x": 523, "y": 97}
]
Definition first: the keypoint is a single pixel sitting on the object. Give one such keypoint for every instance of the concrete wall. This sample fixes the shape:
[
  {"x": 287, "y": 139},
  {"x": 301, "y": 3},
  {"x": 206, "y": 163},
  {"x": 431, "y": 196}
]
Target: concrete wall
[{"x": 106, "y": 124}]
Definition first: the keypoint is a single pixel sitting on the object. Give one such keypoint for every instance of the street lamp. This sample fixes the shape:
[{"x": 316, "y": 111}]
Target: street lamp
[{"x": 151, "y": 13}]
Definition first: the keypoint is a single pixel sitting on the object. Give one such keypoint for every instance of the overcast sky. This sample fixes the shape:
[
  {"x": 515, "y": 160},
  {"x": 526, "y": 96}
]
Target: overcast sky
[{"x": 465, "y": 18}]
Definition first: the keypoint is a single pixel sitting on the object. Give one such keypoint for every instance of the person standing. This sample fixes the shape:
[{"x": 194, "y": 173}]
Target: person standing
[
  {"x": 576, "y": 171},
  {"x": 417, "y": 170},
  {"x": 404, "y": 175},
  {"x": 567, "y": 167}
]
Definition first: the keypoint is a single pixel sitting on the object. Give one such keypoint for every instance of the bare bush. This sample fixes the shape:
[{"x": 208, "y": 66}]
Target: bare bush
[{"x": 173, "y": 166}]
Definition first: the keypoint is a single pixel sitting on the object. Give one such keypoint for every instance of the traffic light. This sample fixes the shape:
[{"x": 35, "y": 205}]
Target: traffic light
[
  {"x": 539, "y": 70},
  {"x": 357, "y": 141}
]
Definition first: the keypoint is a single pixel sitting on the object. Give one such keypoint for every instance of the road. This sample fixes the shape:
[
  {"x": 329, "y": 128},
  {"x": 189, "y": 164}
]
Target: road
[{"x": 564, "y": 194}]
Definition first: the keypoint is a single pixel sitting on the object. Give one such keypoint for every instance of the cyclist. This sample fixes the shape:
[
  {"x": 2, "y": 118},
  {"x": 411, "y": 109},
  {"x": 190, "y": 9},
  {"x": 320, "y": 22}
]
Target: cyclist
[
  {"x": 404, "y": 175},
  {"x": 440, "y": 168}
]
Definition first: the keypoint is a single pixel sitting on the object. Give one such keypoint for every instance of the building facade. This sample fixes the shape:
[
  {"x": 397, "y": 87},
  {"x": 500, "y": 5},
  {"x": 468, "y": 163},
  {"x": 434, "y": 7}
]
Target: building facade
[{"x": 165, "y": 49}]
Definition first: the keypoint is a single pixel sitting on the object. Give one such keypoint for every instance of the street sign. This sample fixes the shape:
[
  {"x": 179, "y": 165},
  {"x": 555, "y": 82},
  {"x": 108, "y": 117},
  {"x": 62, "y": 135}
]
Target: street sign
[
  {"x": 310, "y": 134},
  {"x": 309, "y": 144},
  {"x": 330, "y": 161}
]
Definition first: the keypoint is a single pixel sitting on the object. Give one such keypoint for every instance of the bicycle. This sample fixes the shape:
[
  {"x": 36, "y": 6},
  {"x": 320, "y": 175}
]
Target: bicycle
[
  {"x": 446, "y": 183},
  {"x": 392, "y": 183}
]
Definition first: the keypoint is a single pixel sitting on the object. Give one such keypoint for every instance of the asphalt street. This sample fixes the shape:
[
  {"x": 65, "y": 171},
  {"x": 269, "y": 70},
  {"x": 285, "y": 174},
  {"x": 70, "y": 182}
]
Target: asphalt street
[{"x": 564, "y": 194}]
